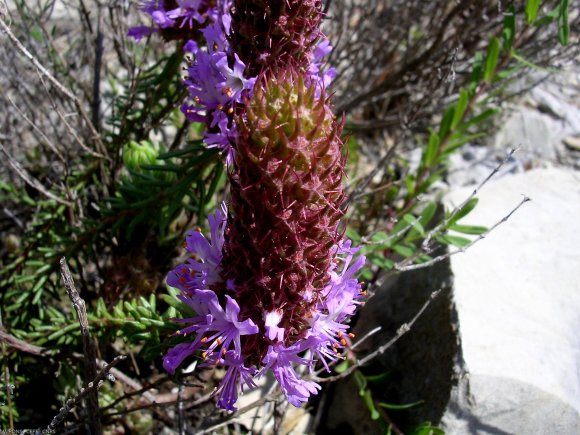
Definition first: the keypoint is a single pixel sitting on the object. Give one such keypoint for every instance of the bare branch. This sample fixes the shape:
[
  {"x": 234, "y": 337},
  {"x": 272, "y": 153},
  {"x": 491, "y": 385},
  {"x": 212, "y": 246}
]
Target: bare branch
[
  {"x": 21, "y": 345},
  {"x": 43, "y": 71},
  {"x": 403, "y": 329},
  {"x": 89, "y": 350},
  {"x": 92, "y": 387},
  {"x": 407, "y": 263},
  {"x": 30, "y": 180},
  {"x": 464, "y": 248}
]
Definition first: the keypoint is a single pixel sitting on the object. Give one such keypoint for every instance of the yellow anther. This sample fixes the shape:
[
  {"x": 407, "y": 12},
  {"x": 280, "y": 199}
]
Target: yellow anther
[
  {"x": 204, "y": 340},
  {"x": 224, "y": 351},
  {"x": 351, "y": 335},
  {"x": 343, "y": 342},
  {"x": 204, "y": 355}
]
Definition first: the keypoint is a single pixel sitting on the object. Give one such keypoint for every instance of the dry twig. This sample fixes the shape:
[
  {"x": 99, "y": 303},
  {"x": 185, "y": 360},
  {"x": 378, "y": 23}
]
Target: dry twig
[
  {"x": 403, "y": 329},
  {"x": 89, "y": 349},
  {"x": 85, "y": 393}
]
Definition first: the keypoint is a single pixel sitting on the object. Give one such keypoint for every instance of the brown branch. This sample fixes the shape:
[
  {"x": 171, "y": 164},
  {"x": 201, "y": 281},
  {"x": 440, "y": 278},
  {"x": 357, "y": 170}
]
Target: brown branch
[
  {"x": 85, "y": 393},
  {"x": 89, "y": 349},
  {"x": 442, "y": 257},
  {"x": 21, "y": 345}
]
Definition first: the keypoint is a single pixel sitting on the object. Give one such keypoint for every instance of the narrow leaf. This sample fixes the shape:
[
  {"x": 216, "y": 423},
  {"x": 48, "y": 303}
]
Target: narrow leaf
[
  {"x": 460, "y": 242},
  {"x": 428, "y": 213},
  {"x": 509, "y": 27},
  {"x": 452, "y": 146},
  {"x": 475, "y": 77},
  {"x": 468, "y": 229},
  {"x": 399, "y": 407},
  {"x": 403, "y": 250},
  {"x": 460, "y": 108},
  {"x": 532, "y": 7},
  {"x": 491, "y": 60},
  {"x": 464, "y": 211},
  {"x": 446, "y": 122},
  {"x": 563, "y": 24},
  {"x": 483, "y": 116},
  {"x": 432, "y": 148},
  {"x": 368, "y": 399}
]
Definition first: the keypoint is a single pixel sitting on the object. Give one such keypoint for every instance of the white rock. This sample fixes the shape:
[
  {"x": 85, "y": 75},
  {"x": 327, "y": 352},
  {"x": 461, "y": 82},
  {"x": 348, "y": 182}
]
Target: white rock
[
  {"x": 473, "y": 164},
  {"x": 535, "y": 133},
  {"x": 518, "y": 302},
  {"x": 558, "y": 107}
]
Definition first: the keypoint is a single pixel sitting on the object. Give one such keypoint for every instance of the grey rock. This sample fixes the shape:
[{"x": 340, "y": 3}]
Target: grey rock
[
  {"x": 518, "y": 309},
  {"x": 558, "y": 107},
  {"x": 475, "y": 163},
  {"x": 504, "y": 406},
  {"x": 536, "y": 134}
]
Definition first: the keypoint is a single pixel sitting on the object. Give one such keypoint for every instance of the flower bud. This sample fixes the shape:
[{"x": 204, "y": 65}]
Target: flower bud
[{"x": 137, "y": 154}]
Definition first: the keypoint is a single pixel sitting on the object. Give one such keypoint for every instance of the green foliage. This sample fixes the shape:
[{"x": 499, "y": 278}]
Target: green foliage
[
  {"x": 493, "y": 50},
  {"x": 563, "y": 24},
  {"x": 368, "y": 385},
  {"x": 414, "y": 226},
  {"x": 532, "y": 7},
  {"x": 117, "y": 220}
]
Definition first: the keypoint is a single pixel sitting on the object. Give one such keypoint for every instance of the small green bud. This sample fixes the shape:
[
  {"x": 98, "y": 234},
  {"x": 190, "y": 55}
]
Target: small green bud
[{"x": 136, "y": 154}]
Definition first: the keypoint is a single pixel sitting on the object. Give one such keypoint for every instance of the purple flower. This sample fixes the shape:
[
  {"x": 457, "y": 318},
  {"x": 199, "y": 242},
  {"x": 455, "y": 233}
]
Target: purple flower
[
  {"x": 280, "y": 360},
  {"x": 274, "y": 275},
  {"x": 215, "y": 38},
  {"x": 187, "y": 12},
  {"x": 220, "y": 328},
  {"x": 139, "y": 32},
  {"x": 342, "y": 294},
  {"x": 205, "y": 271},
  {"x": 340, "y": 299},
  {"x": 236, "y": 374},
  {"x": 321, "y": 78},
  {"x": 216, "y": 82},
  {"x": 271, "y": 321},
  {"x": 234, "y": 83}
]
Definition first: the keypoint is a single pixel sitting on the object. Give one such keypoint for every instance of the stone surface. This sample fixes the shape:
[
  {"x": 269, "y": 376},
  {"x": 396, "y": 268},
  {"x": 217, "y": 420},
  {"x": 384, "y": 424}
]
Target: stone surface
[
  {"x": 535, "y": 133},
  {"x": 503, "y": 406},
  {"x": 572, "y": 142},
  {"x": 544, "y": 125},
  {"x": 518, "y": 304}
]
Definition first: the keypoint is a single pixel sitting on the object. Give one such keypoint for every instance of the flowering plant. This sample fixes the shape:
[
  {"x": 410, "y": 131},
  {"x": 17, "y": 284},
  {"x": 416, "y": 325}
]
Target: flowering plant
[{"x": 275, "y": 285}]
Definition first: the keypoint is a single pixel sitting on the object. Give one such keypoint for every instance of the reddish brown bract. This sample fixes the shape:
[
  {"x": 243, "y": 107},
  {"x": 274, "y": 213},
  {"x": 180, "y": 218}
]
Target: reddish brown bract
[
  {"x": 268, "y": 35},
  {"x": 286, "y": 199}
]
